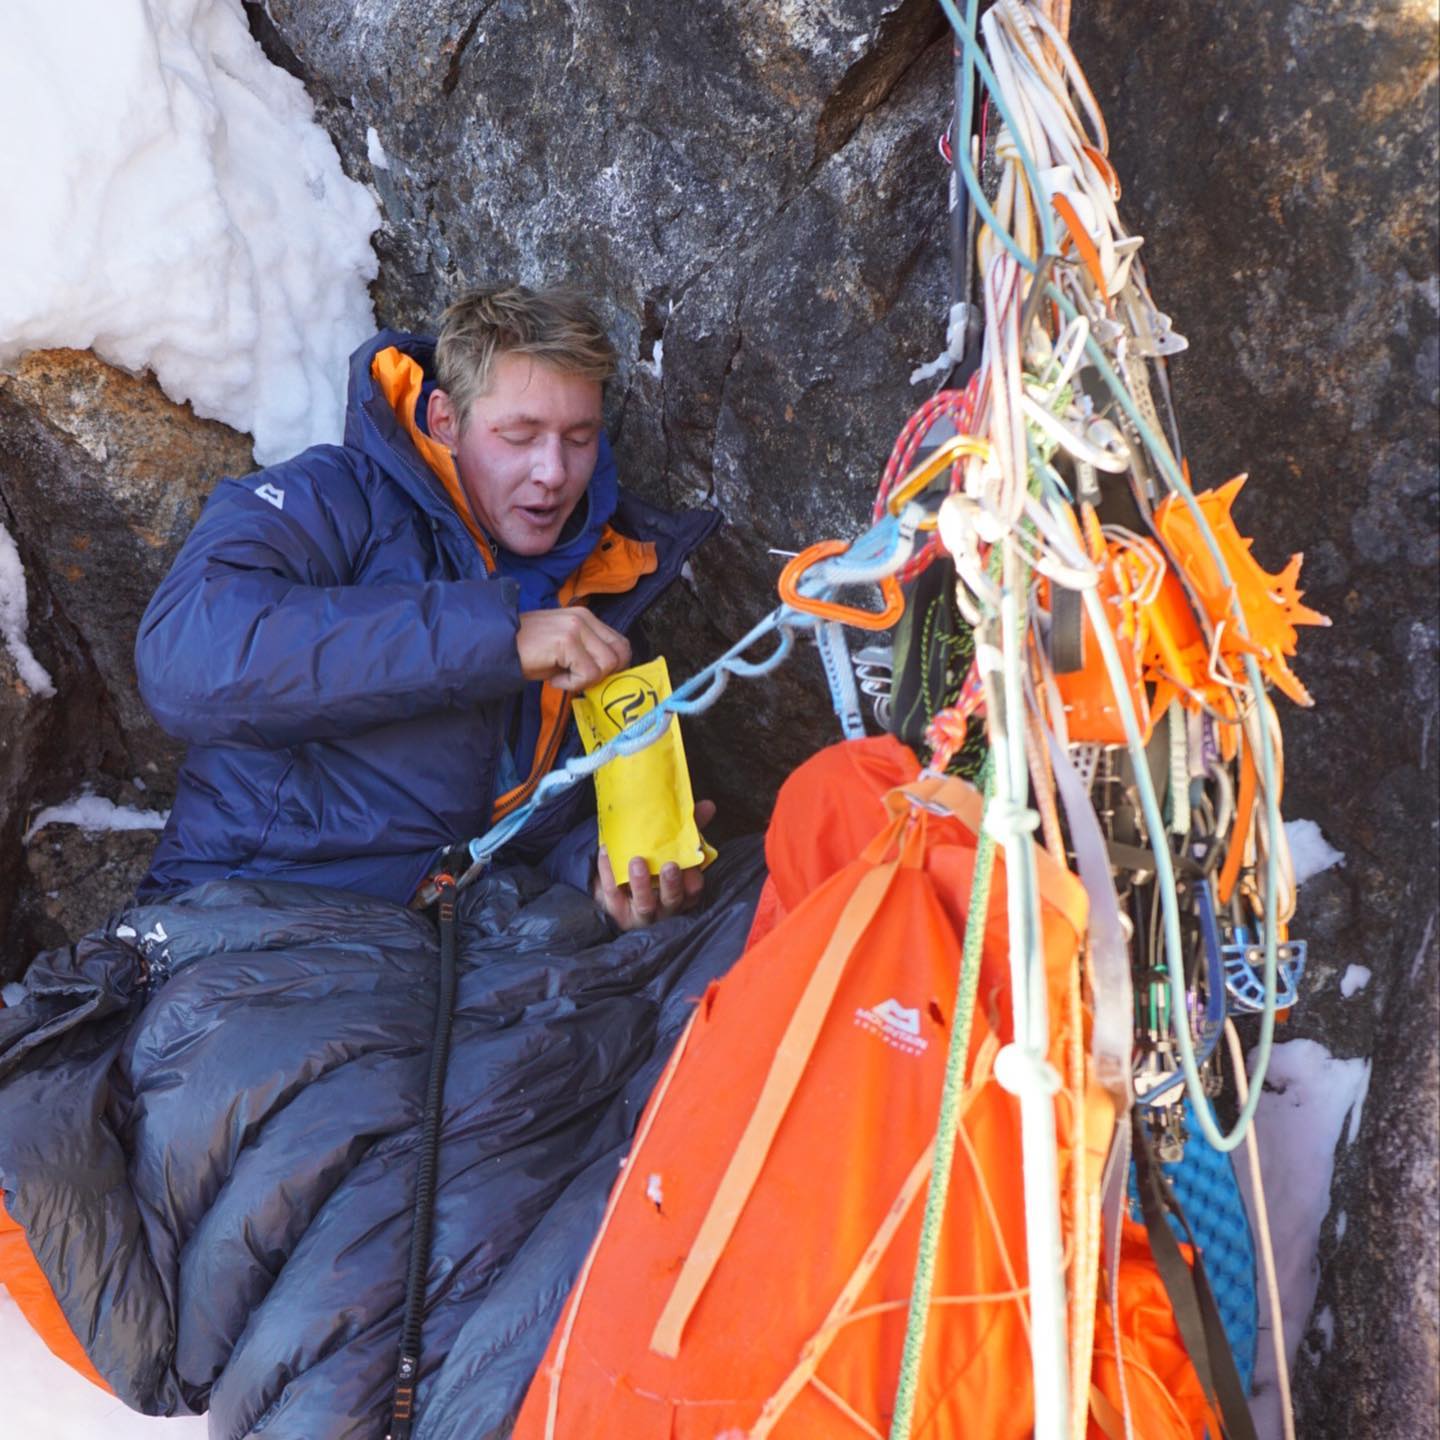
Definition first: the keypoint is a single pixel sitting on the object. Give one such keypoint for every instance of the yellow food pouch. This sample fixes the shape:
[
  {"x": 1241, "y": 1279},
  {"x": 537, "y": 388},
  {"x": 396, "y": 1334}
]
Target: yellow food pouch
[{"x": 644, "y": 802}]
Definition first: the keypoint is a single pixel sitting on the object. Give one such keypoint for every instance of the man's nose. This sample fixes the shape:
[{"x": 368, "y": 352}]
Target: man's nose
[{"x": 549, "y": 463}]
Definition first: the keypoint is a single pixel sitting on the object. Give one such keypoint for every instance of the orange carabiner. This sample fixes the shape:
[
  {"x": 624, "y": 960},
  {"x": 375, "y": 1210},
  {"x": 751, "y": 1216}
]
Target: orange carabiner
[{"x": 828, "y": 609}]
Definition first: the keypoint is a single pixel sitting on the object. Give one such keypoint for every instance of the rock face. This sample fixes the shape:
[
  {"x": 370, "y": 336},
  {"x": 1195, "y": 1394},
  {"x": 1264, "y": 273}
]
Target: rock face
[
  {"x": 753, "y": 196},
  {"x": 752, "y": 193},
  {"x": 101, "y": 478},
  {"x": 1287, "y": 202}
]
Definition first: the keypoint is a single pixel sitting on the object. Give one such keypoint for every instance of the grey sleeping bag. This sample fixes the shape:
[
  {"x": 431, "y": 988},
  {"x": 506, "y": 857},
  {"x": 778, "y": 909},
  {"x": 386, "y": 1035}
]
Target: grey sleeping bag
[{"x": 209, "y": 1120}]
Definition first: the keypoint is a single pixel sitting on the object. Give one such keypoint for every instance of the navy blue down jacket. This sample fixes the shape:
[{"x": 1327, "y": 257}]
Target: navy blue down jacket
[
  {"x": 331, "y": 644},
  {"x": 209, "y": 1120}
]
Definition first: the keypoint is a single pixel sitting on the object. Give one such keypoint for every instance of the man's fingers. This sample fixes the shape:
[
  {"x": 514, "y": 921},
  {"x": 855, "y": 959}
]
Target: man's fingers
[
  {"x": 704, "y": 813},
  {"x": 595, "y": 652},
  {"x": 643, "y": 903},
  {"x": 569, "y": 647},
  {"x": 672, "y": 887},
  {"x": 694, "y": 883},
  {"x": 609, "y": 891}
]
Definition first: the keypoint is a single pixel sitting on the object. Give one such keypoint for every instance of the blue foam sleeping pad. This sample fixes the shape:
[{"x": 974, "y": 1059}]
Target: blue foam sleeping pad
[{"x": 1205, "y": 1185}]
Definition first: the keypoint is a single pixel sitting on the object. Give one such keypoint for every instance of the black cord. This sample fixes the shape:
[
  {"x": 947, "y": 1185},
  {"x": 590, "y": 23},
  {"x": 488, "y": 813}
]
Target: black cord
[{"x": 407, "y": 1370}]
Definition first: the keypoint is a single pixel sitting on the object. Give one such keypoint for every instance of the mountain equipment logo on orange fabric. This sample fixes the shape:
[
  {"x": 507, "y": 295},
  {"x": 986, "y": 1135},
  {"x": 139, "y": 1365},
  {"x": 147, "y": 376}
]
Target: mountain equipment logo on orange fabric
[{"x": 895, "y": 1025}]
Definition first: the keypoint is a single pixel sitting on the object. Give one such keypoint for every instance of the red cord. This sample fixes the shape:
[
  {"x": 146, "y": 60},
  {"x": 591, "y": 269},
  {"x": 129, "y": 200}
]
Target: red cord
[{"x": 959, "y": 407}]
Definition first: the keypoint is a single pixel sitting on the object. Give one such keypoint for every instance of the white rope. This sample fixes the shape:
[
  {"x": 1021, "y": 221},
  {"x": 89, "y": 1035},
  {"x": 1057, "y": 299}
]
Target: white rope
[{"x": 1262, "y": 1237}]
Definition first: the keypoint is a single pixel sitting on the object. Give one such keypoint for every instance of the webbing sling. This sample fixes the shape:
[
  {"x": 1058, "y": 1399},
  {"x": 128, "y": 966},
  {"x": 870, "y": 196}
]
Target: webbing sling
[
  {"x": 1196, "y": 1314},
  {"x": 791, "y": 1057}
]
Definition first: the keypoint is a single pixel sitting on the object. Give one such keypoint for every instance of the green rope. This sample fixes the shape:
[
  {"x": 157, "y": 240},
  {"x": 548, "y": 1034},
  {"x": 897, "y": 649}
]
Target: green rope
[{"x": 949, "y": 1122}]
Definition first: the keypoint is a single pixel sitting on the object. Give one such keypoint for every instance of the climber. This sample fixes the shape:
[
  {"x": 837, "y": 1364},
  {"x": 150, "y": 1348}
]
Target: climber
[{"x": 371, "y": 647}]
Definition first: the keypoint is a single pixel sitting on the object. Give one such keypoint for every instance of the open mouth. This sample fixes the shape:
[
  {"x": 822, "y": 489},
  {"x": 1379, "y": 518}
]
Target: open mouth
[{"x": 541, "y": 515}]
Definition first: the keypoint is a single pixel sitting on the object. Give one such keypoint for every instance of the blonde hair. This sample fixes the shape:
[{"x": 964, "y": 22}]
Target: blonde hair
[{"x": 556, "y": 326}]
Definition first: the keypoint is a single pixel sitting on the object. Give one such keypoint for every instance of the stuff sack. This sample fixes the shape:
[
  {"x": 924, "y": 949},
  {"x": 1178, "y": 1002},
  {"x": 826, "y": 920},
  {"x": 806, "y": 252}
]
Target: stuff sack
[{"x": 752, "y": 1272}]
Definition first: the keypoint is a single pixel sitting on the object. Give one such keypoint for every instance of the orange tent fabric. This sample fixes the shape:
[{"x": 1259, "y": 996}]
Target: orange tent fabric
[{"x": 752, "y": 1272}]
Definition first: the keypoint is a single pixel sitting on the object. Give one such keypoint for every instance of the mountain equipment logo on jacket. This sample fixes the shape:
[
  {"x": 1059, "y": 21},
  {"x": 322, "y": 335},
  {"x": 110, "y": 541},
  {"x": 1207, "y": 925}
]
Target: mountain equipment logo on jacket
[{"x": 895, "y": 1025}]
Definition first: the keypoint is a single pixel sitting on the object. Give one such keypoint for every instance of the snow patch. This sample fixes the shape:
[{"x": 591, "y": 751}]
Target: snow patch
[
  {"x": 1310, "y": 851},
  {"x": 656, "y": 362},
  {"x": 175, "y": 207},
  {"x": 1325, "y": 1324},
  {"x": 15, "y": 619},
  {"x": 1355, "y": 979},
  {"x": 375, "y": 150},
  {"x": 1308, "y": 1097},
  {"x": 93, "y": 813},
  {"x": 45, "y": 1397}
]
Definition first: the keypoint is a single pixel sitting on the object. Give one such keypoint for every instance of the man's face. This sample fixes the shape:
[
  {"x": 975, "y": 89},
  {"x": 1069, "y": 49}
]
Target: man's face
[{"x": 528, "y": 451}]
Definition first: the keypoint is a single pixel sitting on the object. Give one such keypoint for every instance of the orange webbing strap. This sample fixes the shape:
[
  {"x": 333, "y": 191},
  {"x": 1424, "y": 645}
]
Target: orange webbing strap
[
  {"x": 21, "y": 1275},
  {"x": 791, "y": 1058},
  {"x": 1084, "y": 245},
  {"x": 818, "y": 1345},
  {"x": 1098, "y": 1118},
  {"x": 1240, "y": 830},
  {"x": 1059, "y": 889}
]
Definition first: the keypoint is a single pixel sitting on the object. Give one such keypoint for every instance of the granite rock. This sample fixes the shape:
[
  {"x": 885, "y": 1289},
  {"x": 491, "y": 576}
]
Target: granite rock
[
  {"x": 101, "y": 478},
  {"x": 1280, "y": 161},
  {"x": 104, "y": 476}
]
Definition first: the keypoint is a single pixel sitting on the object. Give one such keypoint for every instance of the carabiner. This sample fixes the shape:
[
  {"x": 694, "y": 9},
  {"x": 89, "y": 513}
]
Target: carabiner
[{"x": 789, "y": 587}]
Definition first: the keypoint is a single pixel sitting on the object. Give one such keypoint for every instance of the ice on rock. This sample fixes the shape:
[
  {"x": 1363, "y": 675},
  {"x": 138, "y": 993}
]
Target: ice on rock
[
  {"x": 375, "y": 150},
  {"x": 1309, "y": 1097},
  {"x": 1310, "y": 851},
  {"x": 1355, "y": 979},
  {"x": 15, "y": 619},
  {"x": 95, "y": 812},
  {"x": 175, "y": 207}
]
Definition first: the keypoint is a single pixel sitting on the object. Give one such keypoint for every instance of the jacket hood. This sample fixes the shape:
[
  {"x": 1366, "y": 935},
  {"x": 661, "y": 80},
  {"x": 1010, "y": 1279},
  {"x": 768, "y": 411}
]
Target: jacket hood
[{"x": 375, "y": 427}]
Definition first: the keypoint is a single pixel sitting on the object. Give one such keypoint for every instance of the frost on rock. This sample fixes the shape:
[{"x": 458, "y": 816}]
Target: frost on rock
[
  {"x": 375, "y": 150},
  {"x": 175, "y": 207},
  {"x": 1310, "y": 851},
  {"x": 1355, "y": 979},
  {"x": 94, "y": 813},
  {"x": 1308, "y": 1098},
  {"x": 15, "y": 619}
]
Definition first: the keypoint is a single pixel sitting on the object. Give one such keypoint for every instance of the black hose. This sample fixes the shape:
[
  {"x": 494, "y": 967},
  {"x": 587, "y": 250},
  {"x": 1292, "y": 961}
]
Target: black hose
[{"x": 407, "y": 1371}]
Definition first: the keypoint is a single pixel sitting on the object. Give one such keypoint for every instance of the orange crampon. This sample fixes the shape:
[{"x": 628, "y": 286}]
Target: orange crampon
[{"x": 1271, "y": 604}]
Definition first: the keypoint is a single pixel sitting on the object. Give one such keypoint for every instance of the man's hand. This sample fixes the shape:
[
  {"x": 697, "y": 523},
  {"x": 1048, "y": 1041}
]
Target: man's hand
[
  {"x": 640, "y": 902},
  {"x": 570, "y": 648}
]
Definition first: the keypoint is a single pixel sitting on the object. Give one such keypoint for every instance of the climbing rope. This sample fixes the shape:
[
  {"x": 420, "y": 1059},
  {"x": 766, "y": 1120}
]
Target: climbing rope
[{"x": 951, "y": 1094}]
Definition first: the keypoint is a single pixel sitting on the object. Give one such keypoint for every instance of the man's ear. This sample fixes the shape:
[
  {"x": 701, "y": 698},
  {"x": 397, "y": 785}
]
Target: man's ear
[{"x": 442, "y": 419}]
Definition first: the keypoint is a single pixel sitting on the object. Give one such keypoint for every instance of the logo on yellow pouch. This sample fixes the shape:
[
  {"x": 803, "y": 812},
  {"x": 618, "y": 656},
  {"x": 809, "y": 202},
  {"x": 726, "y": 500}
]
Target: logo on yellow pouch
[{"x": 626, "y": 698}]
